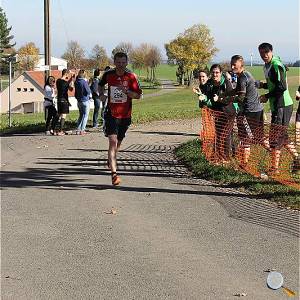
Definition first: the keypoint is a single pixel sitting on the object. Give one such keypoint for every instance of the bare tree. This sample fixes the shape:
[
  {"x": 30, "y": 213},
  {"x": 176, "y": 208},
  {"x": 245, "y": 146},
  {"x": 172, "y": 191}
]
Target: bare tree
[
  {"x": 152, "y": 60},
  {"x": 125, "y": 47},
  {"x": 74, "y": 55},
  {"x": 99, "y": 57}
]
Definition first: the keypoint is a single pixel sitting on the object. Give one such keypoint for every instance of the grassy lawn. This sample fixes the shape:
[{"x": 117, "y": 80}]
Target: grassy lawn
[
  {"x": 293, "y": 80},
  {"x": 175, "y": 105},
  {"x": 163, "y": 71},
  {"x": 148, "y": 87},
  {"x": 190, "y": 153}
]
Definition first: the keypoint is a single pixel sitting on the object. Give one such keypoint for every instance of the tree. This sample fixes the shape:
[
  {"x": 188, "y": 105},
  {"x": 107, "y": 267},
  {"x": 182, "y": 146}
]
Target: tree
[
  {"x": 125, "y": 47},
  {"x": 138, "y": 58},
  {"x": 148, "y": 57},
  {"x": 192, "y": 49},
  {"x": 99, "y": 57},
  {"x": 6, "y": 45},
  {"x": 28, "y": 56},
  {"x": 74, "y": 55},
  {"x": 152, "y": 60},
  {"x": 296, "y": 63}
]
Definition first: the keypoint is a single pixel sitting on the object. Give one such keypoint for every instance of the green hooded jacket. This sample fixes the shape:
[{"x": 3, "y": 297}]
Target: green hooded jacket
[{"x": 276, "y": 63}]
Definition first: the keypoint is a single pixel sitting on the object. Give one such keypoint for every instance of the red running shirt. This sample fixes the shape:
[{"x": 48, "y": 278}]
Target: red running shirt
[{"x": 119, "y": 103}]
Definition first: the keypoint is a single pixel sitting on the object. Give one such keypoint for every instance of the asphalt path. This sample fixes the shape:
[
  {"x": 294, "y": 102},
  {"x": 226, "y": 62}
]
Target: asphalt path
[{"x": 67, "y": 233}]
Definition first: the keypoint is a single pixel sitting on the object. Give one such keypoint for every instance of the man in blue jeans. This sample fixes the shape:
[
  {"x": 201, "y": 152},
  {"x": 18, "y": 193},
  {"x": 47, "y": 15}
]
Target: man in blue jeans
[{"x": 82, "y": 94}]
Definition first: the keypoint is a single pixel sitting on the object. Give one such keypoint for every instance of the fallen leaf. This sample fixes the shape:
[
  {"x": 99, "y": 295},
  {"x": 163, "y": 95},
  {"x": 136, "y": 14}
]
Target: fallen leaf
[
  {"x": 269, "y": 270},
  {"x": 240, "y": 295},
  {"x": 113, "y": 211},
  {"x": 289, "y": 292}
]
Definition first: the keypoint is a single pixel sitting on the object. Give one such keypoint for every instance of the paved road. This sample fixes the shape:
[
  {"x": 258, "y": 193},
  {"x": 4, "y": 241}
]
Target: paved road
[
  {"x": 173, "y": 236},
  {"x": 167, "y": 86}
]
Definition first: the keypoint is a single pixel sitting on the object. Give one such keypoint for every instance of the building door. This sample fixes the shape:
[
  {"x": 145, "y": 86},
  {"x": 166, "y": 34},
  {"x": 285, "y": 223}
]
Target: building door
[{"x": 28, "y": 108}]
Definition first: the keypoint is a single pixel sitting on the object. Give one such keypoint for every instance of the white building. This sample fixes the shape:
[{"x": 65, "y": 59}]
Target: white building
[{"x": 56, "y": 63}]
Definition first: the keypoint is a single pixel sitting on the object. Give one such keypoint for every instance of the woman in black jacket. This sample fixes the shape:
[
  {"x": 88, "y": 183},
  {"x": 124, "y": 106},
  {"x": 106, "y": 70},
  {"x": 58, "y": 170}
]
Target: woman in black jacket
[{"x": 219, "y": 92}]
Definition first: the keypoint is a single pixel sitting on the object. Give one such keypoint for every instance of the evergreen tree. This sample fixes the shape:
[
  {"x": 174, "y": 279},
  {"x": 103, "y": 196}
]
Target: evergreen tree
[{"x": 6, "y": 45}]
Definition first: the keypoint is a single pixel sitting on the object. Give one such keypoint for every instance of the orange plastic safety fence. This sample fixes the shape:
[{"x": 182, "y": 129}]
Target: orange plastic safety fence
[{"x": 248, "y": 143}]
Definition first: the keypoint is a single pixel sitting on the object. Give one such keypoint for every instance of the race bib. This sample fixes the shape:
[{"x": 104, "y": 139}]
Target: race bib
[{"x": 116, "y": 95}]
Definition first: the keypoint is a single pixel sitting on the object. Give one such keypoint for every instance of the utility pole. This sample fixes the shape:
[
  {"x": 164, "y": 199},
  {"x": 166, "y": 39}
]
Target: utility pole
[
  {"x": 251, "y": 59},
  {"x": 47, "y": 37},
  {"x": 9, "y": 92}
]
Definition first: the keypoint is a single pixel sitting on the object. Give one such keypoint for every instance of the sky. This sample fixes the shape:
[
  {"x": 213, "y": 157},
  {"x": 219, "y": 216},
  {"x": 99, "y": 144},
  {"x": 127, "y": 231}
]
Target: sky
[{"x": 238, "y": 27}]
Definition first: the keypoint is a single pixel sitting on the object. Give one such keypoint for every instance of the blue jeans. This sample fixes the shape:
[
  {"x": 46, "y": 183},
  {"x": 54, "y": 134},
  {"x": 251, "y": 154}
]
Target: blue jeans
[
  {"x": 97, "y": 105},
  {"x": 84, "y": 109}
]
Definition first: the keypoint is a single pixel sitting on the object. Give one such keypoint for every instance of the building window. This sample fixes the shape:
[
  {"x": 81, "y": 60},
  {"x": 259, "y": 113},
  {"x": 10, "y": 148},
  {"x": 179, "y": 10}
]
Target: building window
[
  {"x": 31, "y": 89},
  {"x": 24, "y": 89},
  {"x": 18, "y": 89}
]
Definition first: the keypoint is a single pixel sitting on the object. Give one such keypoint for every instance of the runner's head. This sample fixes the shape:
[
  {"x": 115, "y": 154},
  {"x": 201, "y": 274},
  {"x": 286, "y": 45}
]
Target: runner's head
[
  {"x": 216, "y": 72},
  {"x": 203, "y": 76},
  {"x": 266, "y": 52},
  {"x": 120, "y": 61},
  {"x": 237, "y": 64}
]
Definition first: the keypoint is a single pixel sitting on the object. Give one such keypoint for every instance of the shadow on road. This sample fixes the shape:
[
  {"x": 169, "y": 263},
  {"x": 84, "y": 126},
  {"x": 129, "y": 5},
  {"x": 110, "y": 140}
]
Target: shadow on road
[{"x": 74, "y": 173}]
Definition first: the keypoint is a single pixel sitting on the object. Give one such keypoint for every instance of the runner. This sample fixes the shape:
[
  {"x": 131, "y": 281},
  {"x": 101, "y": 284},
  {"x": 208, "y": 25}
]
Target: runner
[
  {"x": 123, "y": 86},
  {"x": 250, "y": 117},
  {"x": 63, "y": 85},
  {"x": 281, "y": 105}
]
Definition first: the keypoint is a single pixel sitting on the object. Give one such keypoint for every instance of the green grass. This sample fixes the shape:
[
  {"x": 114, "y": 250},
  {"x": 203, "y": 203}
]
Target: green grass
[
  {"x": 190, "y": 153},
  {"x": 148, "y": 87},
  {"x": 163, "y": 71},
  {"x": 176, "y": 105},
  {"x": 293, "y": 80}
]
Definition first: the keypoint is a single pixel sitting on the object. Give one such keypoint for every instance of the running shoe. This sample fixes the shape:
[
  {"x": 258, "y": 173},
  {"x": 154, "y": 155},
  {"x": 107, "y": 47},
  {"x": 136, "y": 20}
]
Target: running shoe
[{"x": 115, "y": 179}]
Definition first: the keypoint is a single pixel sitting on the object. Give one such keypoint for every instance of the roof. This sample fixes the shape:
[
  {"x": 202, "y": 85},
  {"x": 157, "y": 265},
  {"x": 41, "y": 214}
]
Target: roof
[{"x": 39, "y": 78}]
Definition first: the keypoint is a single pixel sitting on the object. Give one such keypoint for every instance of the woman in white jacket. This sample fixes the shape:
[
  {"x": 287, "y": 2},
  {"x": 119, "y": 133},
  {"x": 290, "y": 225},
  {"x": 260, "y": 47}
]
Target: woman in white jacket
[{"x": 49, "y": 105}]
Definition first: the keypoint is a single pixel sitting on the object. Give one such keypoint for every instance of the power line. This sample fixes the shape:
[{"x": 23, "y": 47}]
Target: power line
[{"x": 63, "y": 20}]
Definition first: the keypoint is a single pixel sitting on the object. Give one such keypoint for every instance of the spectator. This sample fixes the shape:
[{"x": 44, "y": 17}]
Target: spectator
[
  {"x": 95, "y": 95},
  {"x": 250, "y": 117},
  {"x": 218, "y": 96},
  {"x": 281, "y": 105},
  {"x": 63, "y": 85},
  {"x": 201, "y": 90},
  {"x": 298, "y": 118},
  {"x": 49, "y": 105},
  {"x": 82, "y": 94}
]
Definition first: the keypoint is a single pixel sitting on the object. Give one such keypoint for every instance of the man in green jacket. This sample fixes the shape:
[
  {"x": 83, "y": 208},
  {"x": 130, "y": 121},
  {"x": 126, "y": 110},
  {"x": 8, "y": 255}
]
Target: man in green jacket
[{"x": 281, "y": 105}]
